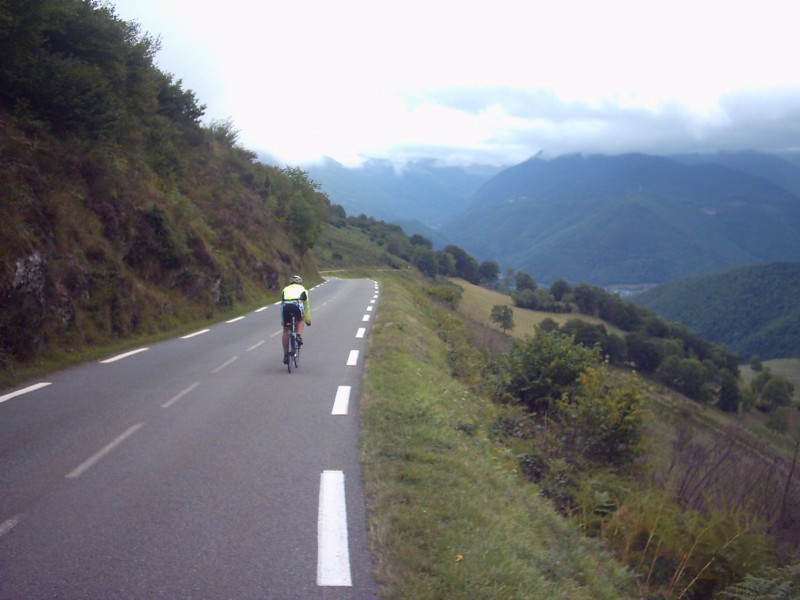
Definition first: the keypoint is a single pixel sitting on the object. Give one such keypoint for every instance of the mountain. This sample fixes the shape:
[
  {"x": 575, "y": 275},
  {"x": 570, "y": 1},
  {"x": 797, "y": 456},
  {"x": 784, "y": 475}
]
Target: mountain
[
  {"x": 628, "y": 219},
  {"x": 753, "y": 309},
  {"x": 425, "y": 190},
  {"x": 780, "y": 171}
]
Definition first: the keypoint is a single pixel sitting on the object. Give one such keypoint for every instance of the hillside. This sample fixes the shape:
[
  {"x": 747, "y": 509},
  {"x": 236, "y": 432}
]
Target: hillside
[
  {"x": 423, "y": 191},
  {"x": 628, "y": 219},
  {"x": 752, "y": 309},
  {"x": 123, "y": 214}
]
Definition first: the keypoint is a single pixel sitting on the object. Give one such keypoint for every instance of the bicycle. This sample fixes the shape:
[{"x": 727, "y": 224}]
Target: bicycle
[{"x": 294, "y": 347}]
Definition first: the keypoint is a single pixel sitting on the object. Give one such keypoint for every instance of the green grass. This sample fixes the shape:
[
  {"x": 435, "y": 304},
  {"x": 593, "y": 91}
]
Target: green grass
[{"x": 450, "y": 515}]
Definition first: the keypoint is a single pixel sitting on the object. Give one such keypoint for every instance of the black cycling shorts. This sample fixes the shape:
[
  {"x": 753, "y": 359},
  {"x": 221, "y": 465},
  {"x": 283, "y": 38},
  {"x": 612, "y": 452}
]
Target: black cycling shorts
[{"x": 291, "y": 309}]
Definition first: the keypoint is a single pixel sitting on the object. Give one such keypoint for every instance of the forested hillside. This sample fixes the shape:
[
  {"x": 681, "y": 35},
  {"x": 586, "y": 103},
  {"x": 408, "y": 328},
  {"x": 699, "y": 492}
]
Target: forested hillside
[
  {"x": 631, "y": 219},
  {"x": 122, "y": 213},
  {"x": 752, "y": 309}
]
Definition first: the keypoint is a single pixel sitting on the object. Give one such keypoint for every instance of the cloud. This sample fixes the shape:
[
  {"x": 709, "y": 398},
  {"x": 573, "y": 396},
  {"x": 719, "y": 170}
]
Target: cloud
[{"x": 485, "y": 82}]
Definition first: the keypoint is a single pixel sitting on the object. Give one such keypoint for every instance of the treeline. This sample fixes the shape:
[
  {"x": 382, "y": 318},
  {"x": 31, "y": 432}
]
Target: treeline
[
  {"x": 122, "y": 211},
  {"x": 671, "y": 351},
  {"x": 638, "y": 338},
  {"x": 451, "y": 261}
]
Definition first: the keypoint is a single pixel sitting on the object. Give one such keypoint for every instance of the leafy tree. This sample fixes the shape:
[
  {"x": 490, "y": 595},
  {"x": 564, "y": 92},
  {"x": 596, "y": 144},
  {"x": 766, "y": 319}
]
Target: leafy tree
[
  {"x": 587, "y": 298},
  {"x": 524, "y": 299},
  {"x": 730, "y": 396},
  {"x": 559, "y": 288},
  {"x": 523, "y": 281},
  {"x": 445, "y": 263},
  {"x": 687, "y": 375},
  {"x": 466, "y": 266},
  {"x": 489, "y": 273},
  {"x": 424, "y": 258},
  {"x": 503, "y": 315},
  {"x": 585, "y": 333},
  {"x": 419, "y": 240},
  {"x": 777, "y": 392},
  {"x": 643, "y": 352}
]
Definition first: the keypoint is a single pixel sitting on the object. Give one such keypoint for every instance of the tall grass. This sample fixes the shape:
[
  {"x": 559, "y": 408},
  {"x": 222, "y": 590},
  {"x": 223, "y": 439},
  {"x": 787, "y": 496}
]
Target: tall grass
[{"x": 450, "y": 514}]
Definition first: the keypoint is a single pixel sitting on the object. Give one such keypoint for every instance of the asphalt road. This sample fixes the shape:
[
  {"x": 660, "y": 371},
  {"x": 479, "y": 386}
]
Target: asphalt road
[{"x": 196, "y": 468}]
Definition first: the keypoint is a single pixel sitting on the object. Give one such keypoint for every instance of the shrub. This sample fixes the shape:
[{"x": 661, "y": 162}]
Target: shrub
[{"x": 541, "y": 369}]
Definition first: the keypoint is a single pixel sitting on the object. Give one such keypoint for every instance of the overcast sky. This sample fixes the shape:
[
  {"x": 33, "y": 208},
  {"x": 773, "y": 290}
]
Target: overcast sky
[{"x": 493, "y": 81}]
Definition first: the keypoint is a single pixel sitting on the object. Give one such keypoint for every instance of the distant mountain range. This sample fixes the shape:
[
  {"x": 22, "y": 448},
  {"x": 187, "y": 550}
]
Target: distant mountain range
[
  {"x": 421, "y": 195},
  {"x": 607, "y": 220},
  {"x": 752, "y": 309}
]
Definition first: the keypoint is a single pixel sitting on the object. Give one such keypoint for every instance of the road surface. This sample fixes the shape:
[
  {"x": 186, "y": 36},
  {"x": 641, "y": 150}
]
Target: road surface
[{"x": 194, "y": 468}]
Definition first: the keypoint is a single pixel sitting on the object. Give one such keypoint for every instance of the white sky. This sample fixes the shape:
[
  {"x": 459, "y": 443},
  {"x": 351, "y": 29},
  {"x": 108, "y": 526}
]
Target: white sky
[{"x": 491, "y": 81}]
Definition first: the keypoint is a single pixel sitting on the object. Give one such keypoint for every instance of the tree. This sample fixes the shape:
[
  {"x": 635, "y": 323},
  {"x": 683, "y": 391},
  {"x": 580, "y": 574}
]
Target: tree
[
  {"x": 420, "y": 240},
  {"x": 587, "y": 298},
  {"x": 643, "y": 352},
  {"x": 425, "y": 260},
  {"x": 687, "y": 375},
  {"x": 466, "y": 265},
  {"x": 489, "y": 273},
  {"x": 730, "y": 396},
  {"x": 559, "y": 289},
  {"x": 504, "y": 316},
  {"x": 523, "y": 281}
]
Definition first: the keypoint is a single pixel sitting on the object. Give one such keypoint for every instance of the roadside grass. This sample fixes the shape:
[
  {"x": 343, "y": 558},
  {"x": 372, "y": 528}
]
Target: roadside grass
[
  {"x": 450, "y": 516},
  {"x": 477, "y": 303}
]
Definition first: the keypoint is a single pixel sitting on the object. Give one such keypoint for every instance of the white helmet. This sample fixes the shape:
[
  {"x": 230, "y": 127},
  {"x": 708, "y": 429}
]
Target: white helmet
[{"x": 296, "y": 279}]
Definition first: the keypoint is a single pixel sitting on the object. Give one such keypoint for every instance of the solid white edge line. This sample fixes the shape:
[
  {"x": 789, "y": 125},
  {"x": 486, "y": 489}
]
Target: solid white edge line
[
  {"x": 191, "y": 335},
  {"x": 342, "y": 400},
  {"x": 121, "y": 356},
  {"x": 9, "y": 524},
  {"x": 30, "y": 388},
  {"x": 179, "y": 395},
  {"x": 333, "y": 554},
  {"x": 95, "y": 458},
  {"x": 234, "y": 320},
  {"x": 352, "y": 360},
  {"x": 361, "y": 332}
]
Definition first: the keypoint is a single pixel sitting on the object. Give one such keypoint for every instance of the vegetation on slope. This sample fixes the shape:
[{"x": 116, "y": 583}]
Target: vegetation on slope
[
  {"x": 752, "y": 309},
  {"x": 450, "y": 434},
  {"x": 122, "y": 213}
]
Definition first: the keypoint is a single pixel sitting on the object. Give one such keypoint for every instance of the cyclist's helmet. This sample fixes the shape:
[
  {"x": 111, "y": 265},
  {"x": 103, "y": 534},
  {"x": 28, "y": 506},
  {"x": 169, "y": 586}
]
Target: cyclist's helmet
[{"x": 296, "y": 279}]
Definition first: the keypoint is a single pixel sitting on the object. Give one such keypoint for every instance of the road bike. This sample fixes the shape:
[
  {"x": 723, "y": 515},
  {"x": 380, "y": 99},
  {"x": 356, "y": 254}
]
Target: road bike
[{"x": 294, "y": 347}]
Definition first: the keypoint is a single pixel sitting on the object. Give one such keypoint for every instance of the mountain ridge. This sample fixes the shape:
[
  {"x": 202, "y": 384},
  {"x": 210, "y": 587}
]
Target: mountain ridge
[{"x": 707, "y": 216}]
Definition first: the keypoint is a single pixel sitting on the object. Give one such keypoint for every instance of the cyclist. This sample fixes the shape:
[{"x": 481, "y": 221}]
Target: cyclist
[{"x": 294, "y": 303}]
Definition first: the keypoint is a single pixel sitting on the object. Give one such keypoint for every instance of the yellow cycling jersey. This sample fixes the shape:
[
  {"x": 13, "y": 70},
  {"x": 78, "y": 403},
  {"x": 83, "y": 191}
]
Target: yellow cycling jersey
[{"x": 297, "y": 293}]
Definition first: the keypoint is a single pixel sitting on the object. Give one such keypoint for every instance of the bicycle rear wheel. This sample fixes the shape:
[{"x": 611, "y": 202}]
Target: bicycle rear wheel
[{"x": 292, "y": 345}]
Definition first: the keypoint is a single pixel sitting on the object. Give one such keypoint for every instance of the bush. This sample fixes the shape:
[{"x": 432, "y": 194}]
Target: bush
[
  {"x": 541, "y": 369},
  {"x": 603, "y": 420}
]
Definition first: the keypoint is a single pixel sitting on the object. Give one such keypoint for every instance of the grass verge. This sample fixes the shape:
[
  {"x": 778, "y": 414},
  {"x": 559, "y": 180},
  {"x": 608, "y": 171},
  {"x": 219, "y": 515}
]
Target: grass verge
[{"x": 450, "y": 516}]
